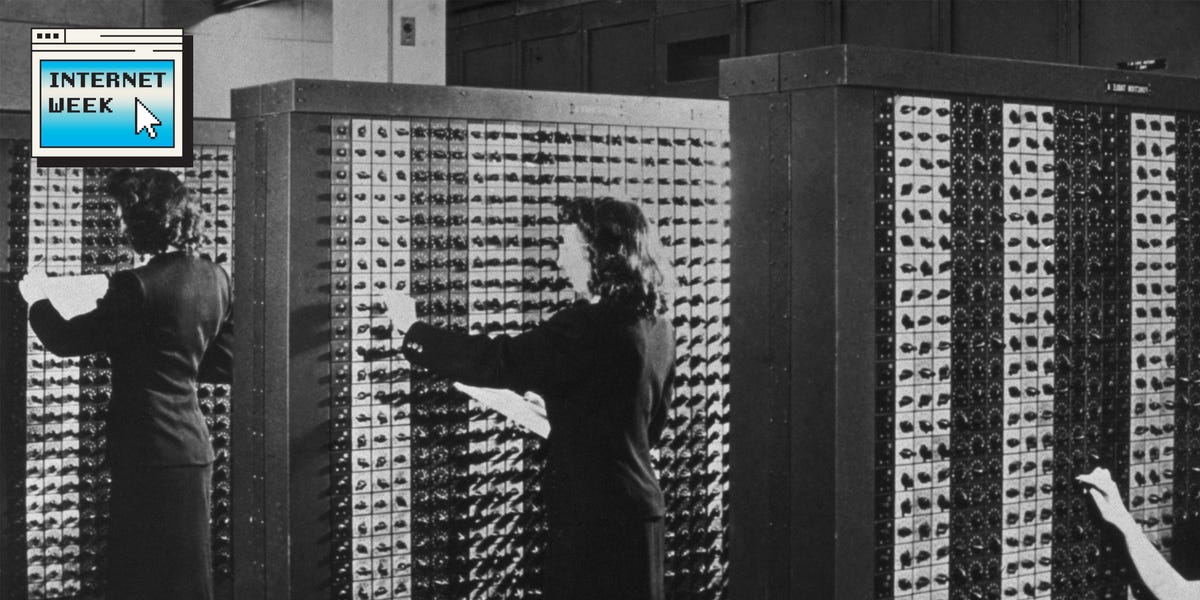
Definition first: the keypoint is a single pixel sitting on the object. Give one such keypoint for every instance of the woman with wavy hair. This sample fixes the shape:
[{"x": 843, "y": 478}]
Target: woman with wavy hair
[
  {"x": 604, "y": 366},
  {"x": 165, "y": 325}
]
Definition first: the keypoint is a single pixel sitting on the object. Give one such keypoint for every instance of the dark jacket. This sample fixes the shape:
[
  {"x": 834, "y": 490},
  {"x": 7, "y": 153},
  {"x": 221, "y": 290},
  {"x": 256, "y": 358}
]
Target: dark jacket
[
  {"x": 165, "y": 325},
  {"x": 606, "y": 376}
]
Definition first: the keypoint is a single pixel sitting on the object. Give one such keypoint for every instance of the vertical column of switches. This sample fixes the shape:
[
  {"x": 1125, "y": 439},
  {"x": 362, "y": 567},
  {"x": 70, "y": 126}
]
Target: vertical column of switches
[
  {"x": 211, "y": 182},
  {"x": 537, "y": 178},
  {"x": 685, "y": 241},
  {"x": 694, "y": 240},
  {"x": 1108, "y": 147},
  {"x": 14, "y": 337},
  {"x": 342, "y": 507},
  {"x": 391, "y": 204},
  {"x": 372, "y": 373},
  {"x": 1028, "y": 358},
  {"x": 703, "y": 526},
  {"x": 456, "y": 269},
  {"x": 907, "y": 408},
  {"x": 977, "y": 235},
  {"x": 485, "y": 217},
  {"x": 888, "y": 407},
  {"x": 700, "y": 541},
  {"x": 922, "y": 326},
  {"x": 426, "y": 549},
  {"x": 480, "y": 523},
  {"x": 485, "y": 145},
  {"x": 379, "y": 461},
  {"x": 104, "y": 251},
  {"x": 439, "y": 418},
  {"x": 689, "y": 382},
  {"x": 659, "y": 155},
  {"x": 40, "y": 457},
  {"x": 52, "y": 399},
  {"x": 680, "y": 497},
  {"x": 400, "y": 213},
  {"x": 457, "y": 263},
  {"x": 19, "y": 189},
  {"x": 1187, "y": 395},
  {"x": 716, "y": 173},
  {"x": 1152, "y": 370},
  {"x": 429, "y": 563},
  {"x": 707, "y": 220},
  {"x": 1073, "y": 554},
  {"x": 1091, "y": 345},
  {"x": 702, "y": 530}
]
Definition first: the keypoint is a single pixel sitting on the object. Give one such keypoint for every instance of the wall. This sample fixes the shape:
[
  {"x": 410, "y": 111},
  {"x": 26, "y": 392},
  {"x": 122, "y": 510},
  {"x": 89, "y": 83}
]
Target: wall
[
  {"x": 373, "y": 28},
  {"x": 624, "y": 46},
  {"x": 259, "y": 44}
]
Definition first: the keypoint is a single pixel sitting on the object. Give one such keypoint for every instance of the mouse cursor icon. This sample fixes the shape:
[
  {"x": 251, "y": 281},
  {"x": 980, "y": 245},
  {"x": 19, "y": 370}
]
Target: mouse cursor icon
[{"x": 144, "y": 119}]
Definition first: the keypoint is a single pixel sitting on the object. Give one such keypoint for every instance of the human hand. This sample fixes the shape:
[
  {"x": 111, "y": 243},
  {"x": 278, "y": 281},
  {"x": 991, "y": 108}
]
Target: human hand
[
  {"x": 33, "y": 286},
  {"x": 401, "y": 308},
  {"x": 1106, "y": 495}
]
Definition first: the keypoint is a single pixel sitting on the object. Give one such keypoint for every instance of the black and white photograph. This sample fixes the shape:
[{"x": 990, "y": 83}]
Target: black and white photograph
[{"x": 600, "y": 299}]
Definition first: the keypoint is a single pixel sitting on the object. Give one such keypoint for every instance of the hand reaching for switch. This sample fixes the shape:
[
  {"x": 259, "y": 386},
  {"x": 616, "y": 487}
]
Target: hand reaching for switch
[
  {"x": 1156, "y": 573},
  {"x": 1106, "y": 496},
  {"x": 401, "y": 308},
  {"x": 32, "y": 286}
]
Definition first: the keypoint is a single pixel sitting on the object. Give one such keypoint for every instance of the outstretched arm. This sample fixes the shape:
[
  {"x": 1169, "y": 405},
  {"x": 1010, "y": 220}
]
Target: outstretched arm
[
  {"x": 91, "y": 331},
  {"x": 544, "y": 358},
  {"x": 1155, "y": 572}
]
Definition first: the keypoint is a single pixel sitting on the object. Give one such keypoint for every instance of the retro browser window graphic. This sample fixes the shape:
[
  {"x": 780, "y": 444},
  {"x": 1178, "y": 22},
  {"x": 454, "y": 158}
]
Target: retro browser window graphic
[{"x": 111, "y": 97}]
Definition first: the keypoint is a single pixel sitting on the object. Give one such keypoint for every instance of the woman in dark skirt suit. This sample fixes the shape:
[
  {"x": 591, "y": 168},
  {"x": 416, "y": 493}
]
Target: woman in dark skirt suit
[
  {"x": 604, "y": 367},
  {"x": 165, "y": 325}
]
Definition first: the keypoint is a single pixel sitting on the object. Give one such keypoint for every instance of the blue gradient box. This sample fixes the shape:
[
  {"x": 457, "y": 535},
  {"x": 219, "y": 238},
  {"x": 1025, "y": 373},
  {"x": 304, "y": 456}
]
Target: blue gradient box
[{"x": 94, "y": 103}]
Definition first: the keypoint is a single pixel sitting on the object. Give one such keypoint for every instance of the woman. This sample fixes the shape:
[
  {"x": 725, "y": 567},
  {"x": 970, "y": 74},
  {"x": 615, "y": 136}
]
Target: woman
[
  {"x": 604, "y": 367},
  {"x": 165, "y": 325}
]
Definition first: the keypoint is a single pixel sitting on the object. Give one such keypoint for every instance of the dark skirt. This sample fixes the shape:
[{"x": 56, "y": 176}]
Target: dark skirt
[
  {"x": 606, "y": 561},
  {"x": 159, "y": 544}
]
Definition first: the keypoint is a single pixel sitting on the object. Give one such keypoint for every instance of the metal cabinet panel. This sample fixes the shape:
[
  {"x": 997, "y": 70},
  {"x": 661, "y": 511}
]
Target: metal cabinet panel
[
  {"x": 779, "y": 25},
  {"x": 981, "y": 281},
  {"x": 621, "y": 59},
  {"x": 492, "y": 67},
  {"x": 891, "y": 23},
  {"x": 551, "y": 63},
  {"x": 1027, "y": 30},
  {"x": 370, "y": 478}
]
